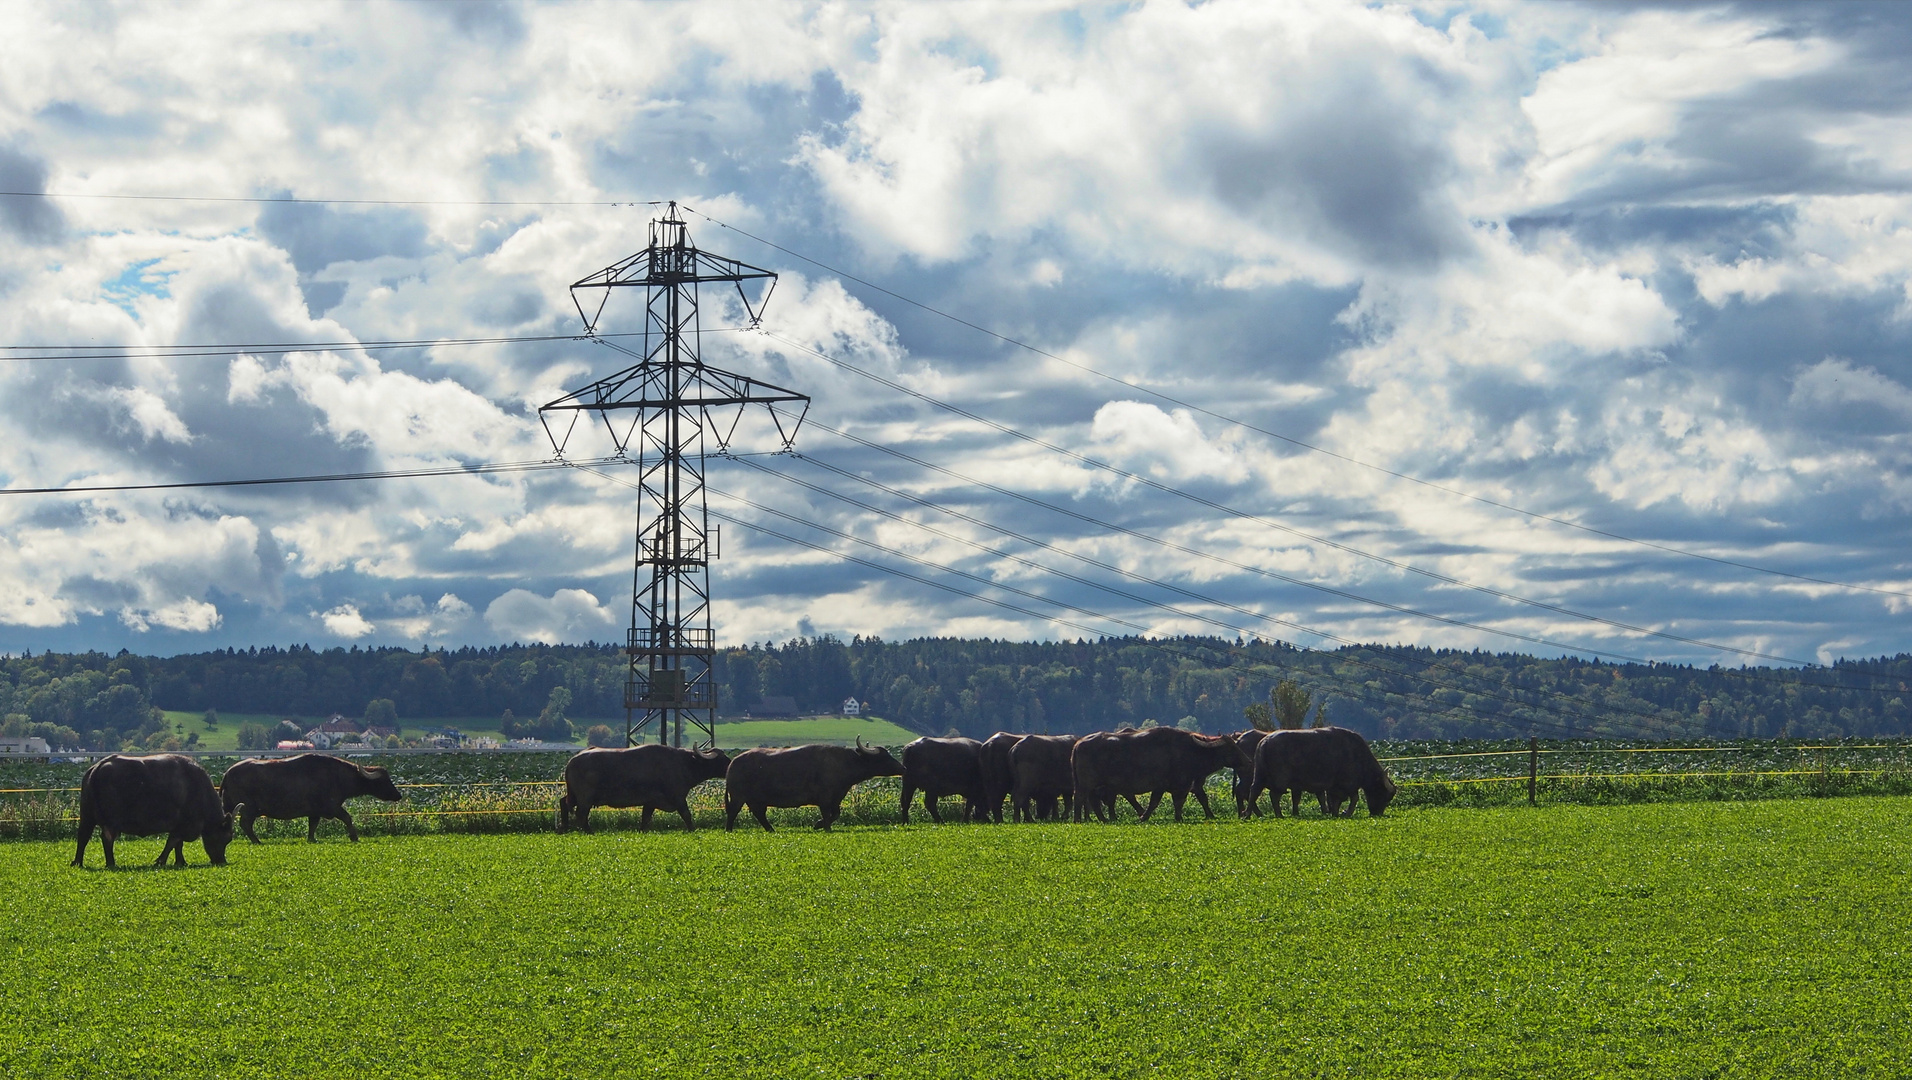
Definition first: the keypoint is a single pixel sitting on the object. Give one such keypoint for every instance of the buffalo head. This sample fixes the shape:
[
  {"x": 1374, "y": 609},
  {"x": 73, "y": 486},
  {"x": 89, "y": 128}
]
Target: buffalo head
[
  {"x": 877, "y": 759},
  {"x": 378, "y": 782},
  {"x": 1379, "y": 797},
  {"x": 218, "y": 835}
]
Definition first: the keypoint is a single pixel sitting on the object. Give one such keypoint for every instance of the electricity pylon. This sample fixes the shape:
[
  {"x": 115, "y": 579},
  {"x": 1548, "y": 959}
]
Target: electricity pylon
[{"x": 665, "y": 407}]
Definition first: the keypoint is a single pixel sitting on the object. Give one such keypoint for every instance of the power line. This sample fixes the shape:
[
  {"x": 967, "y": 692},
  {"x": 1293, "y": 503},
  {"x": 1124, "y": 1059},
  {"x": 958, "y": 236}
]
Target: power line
[
  {"x": 187, "y": 352},
  {"x": 481, "y": 469},
  {"x": 1128, "y": 384},
  {"x": 1275, "y": 575},
  {"x": 1133, "y": 597},
  {"x": 1269, "y": 523},
  {"x": 326, "y": 202}
]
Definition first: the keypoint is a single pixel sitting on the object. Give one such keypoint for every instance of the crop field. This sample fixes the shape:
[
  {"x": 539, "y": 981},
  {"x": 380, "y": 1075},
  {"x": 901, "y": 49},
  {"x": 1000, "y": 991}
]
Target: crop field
[
  {"x": 1719, "y": 939},
  {"x": 518, "y": 792}
]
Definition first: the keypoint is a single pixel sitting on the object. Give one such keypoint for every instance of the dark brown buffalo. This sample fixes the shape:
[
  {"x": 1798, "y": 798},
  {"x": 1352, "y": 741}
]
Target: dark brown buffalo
[
  {"x": 818, "y": 776},
  {"x": 1040, "y": 765},
  {"x": 309, "y": 786},
  {"x": 651, "y": 776},
  {"x": 1333, "y": 763},
  {"x": 998, "y": 776},
  {"x": 939, "y": 767},
  {"x": 158, "y": 793},
  {"x": 1152, "y": 760},
  {"x": 1246, "y": 803}
]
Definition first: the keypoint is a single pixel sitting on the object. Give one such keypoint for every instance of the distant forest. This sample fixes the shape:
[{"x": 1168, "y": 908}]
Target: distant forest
[{"x": 938, "y": 685}]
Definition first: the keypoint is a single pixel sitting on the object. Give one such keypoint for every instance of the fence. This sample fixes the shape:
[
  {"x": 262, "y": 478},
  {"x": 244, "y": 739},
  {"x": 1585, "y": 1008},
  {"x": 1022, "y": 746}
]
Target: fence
[{"x": 512, "y": 791}]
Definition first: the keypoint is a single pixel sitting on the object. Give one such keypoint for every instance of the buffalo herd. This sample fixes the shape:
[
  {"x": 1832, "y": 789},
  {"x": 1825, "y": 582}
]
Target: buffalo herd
[{"x": 1044, "y": 777}]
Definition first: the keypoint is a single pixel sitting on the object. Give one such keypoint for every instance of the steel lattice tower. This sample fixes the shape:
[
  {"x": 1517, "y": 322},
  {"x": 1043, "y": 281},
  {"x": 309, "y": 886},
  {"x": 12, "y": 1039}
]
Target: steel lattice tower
[{"x": 667, "y": 406}]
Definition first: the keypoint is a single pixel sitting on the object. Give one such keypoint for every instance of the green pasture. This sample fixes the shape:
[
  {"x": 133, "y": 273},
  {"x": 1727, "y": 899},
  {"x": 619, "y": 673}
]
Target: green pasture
[
  {"x": 813, "y": 729},
  {"x": 1723, "y": 939},
  {"x": 730, "y": 733}
]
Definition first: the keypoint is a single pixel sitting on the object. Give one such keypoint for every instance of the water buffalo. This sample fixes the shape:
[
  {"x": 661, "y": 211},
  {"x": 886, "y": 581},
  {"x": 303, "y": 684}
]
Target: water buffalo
[
  {"x": 1334, "y": 763},
  {"x": 1040, "y": 765},
  {"x": 818, "y": 776},
  {"x": 940, "y": 767},
  {"x": 1245, "y": 801},
  {"x": 1153, "y": 760},
  {"x": 159, "y": 793},
  {"x": 998, "y": 776},
  {"x": 650, "y": 776},
  {"x": 309, "y": 786}
]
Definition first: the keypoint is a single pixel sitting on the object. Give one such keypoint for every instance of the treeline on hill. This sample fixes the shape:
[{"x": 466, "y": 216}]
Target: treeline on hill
[{"x": 936, "y": 685}]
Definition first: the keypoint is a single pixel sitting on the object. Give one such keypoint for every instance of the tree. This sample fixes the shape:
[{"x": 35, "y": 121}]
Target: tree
[
  {"x": 287, "y": 730},
  {"x": 601, "y": 735},
  {"x": 254, "y": 736},
  {"x": 380, "y": 712},
  {"x": 1290, "y": 703},
  {"x": 212, "y": 720},
  {"x": 1258, "y": 716}
]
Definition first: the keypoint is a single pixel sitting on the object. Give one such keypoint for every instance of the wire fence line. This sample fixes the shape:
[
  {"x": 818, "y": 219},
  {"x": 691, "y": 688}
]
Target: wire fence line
[{"x": 486, "y": 792}]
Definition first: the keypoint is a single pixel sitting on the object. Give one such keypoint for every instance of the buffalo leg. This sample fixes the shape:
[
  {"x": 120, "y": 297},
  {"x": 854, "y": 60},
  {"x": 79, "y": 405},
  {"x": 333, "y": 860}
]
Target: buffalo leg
[
  {"x": 830, "y": 813},
  {"x": 762, "y": 818},
  {"x": 107, "y": 836},
  {"x": 351, "y": 829},
  {"x": 1178, "y": 800},
  {"x": 909, "y": 793},
  {"x": 179, "y": 853},
  {"x": 584, "y": 818},
  {"x": 564, "y": 813},
  {"x": 1068, "y": 802},
  {"x": 87, "y": 825},
  {"x": 1201, "y": 796},
  {"x": 172, "y": 841},
  {"x": 683, "y": 811},
  {"x": 312, "y": 829},
  {"x": 929, "y": 803},
  {"x": 1155, "y": 800},
  {"x": 730, "y": 814},
  {"x": 644, "y": 822},
  {"x": 246, "y": 817},
  {"x": 1019, "y": 806}
]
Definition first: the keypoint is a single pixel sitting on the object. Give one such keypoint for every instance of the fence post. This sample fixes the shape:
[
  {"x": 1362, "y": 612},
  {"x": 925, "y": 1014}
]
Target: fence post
[{"x": 1533, "y": 769}]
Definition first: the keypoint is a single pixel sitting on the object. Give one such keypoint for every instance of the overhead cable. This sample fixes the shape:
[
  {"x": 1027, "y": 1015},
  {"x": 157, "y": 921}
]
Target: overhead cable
[{"x": 1278, "y": 526}]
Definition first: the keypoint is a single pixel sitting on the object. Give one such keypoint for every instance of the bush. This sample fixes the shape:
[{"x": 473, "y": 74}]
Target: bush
[
  {"x": 602, "y": 735},
  {"x": 254, "y": 736}
]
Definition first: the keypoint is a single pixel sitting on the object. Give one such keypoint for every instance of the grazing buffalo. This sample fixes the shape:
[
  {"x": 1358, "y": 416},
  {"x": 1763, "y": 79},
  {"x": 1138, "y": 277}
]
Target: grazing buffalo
[
  {"x": 652, "y": 776},
  {"x": 939, "y": 767},
  {"x": 309, "y": 786},
  {"x": 1040, "y": 765},
  {"x": 1245, "y": 801},
  {"x": 818, "y": 776},
  {"x": 1152, "y": 760},
  {"x": 1333, "y": 763},
  {"x": 159, "y": 793},
  {"x": 998, "y": 776}
]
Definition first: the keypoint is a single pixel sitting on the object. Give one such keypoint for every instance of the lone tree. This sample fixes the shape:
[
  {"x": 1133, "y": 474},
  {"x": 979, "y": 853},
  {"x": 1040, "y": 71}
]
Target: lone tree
[
  {"x": 1258, "y": 716},
  {"x": 1290, "y": 703}
]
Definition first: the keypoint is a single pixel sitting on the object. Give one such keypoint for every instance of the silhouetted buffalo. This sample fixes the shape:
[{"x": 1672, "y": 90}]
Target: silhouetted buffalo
[
  {"x": 818, "y": 776},
  {"x": 1040, "y": 766},
  {"x": 159, "y": 793},
  {"x": 1333, "y": 763},
  {"x": 651, "y": 776},
  {"x": 1245, "y": 801},
  {"x": 939, "y": 767},
  {"x": 1152, "y": 760},
  {"x": 309, "y": 786},
  {"x": 998, "y": 776}
]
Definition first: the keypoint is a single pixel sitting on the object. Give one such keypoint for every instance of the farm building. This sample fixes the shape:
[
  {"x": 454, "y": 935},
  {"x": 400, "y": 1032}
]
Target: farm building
[
  {"x": 851, "y": 707},
  {"x": 24, "y": 744}
]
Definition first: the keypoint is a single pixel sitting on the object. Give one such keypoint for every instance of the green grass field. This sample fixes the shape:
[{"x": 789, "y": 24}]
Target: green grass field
[
  {"x": 730, "y": 733},
  {"x": 1690, "y": 940}
]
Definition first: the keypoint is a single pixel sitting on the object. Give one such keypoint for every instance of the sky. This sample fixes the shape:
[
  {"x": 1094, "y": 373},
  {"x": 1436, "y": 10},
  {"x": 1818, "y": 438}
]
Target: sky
[{"x": 1551, "y": 328}]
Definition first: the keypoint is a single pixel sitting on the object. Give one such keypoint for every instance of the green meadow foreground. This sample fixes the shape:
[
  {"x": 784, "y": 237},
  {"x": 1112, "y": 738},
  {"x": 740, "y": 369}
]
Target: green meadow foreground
[{"x": 1666, "y": 940}]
